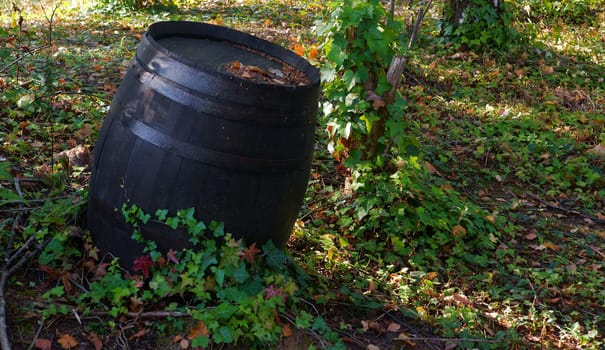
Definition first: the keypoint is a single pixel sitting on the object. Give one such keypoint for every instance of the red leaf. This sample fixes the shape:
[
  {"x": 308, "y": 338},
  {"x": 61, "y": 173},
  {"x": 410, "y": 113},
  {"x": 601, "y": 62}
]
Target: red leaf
[
  {"x": 101, "y": 270},
  {"x": 143, "y": 264},
  {"x": 271, "y": 292},
  {"x": 43, "y": 344},
  {"x": 53, "y": 273},
  {"x": 250, "y": 252},
  {"x": 96, "y": 341},
  {"x": 171, "y": 255}
]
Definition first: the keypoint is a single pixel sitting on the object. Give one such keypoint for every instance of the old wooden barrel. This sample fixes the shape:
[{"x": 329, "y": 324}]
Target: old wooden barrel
[{"x": 210, "y": 118}]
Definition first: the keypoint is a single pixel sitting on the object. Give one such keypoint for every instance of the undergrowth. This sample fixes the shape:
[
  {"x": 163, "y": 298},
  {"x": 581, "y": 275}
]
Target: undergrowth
[{"x": 477, "y": 223}]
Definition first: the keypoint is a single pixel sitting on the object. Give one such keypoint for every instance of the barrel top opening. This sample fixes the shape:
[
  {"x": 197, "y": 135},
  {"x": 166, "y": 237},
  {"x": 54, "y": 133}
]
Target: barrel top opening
[
  {"x": 214, "y": 53},
  {"x": 232, "y": 52}
]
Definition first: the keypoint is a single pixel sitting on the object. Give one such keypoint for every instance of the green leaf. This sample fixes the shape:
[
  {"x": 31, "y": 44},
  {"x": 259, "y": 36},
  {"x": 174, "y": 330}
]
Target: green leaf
[
  {"x": 161, "y": 214},
  {"x": 274, "y": 257},
  {"x": 220, "y": 276},
  {"x": 224, "y": 335},
  {"x": 201, "y": 341},
  {"x": 4, "y": 171},
  {"x": 241, "y": 275}
]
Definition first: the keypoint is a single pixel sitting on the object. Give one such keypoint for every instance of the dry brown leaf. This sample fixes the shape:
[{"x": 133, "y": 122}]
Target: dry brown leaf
[
  {"x": 459, "y": 231},
  {"x": 377, "y": 101},
  {"x": 393, "y": 327},
  {"x": 177, "y": 339},
  {"x": 96, "y": 341},
  {"x": 530, "y": 236},
  {"x": 78, "y": 156},
  {"x": 462, "y": 299},
  {"x": 450, "y": 345},
  {"x": 405, "y": 338},
  {"x": 286, "y": 330},
  {"x": 598, "y": 150},
  {"x": 197, "y": 330},
  {"x": 67, "y": 341},
  {"x": 432, "y": 275},
  {"x": 371, "y": 288},
  {"x": 43, "y": 344},
  {"x": 548, "y": 69},
  {"x": 552, "y": 246},
  {"x": 430, "y": 168}
]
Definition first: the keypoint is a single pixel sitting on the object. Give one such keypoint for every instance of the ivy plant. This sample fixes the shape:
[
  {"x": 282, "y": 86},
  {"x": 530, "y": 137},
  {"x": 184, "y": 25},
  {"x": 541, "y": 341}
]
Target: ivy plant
[{"x": 360, "y": 40}]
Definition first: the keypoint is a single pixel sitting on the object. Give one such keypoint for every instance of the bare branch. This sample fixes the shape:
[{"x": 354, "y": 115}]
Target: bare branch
[{"x": 421, "y": 12}]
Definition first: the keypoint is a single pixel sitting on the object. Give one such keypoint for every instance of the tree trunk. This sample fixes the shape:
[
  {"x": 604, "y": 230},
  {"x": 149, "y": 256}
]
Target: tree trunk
[{"x": 455, "y": 9}]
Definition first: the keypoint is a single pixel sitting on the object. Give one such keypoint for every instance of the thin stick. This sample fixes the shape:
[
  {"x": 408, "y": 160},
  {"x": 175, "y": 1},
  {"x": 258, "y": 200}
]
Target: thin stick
[
  {"x": 565, "y": 210},
  {"x": 18, "y": 59},
  {"x": 421, "y": 12},
  {"x": 31, "y": 346},
  {"x": 478, "y": 340},
  {"x": 145, "y": 315}
]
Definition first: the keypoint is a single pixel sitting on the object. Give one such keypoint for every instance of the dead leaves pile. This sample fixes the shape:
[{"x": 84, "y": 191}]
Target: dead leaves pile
[{"x": 288, "y": 75}]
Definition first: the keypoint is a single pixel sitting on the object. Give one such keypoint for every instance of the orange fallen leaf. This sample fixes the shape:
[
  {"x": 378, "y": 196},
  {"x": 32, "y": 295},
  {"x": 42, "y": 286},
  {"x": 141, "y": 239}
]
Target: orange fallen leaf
[
  {"x": 298, "y": 48},
  {"x": 313, "y": 52},
  {"x": 491, "y": 219},
  {"x": 267, "y": 22},
  {"x": 551, "y": 246},
  {"x": 459, "y": 231},
  {"x": 197, "y": 330},
  {"x": 286, "y": 330},
  {"x": 67, "y": 341}
]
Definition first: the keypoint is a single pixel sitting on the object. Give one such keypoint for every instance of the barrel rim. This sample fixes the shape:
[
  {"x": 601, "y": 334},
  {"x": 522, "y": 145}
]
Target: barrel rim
[{"x": 165, "y": 29}]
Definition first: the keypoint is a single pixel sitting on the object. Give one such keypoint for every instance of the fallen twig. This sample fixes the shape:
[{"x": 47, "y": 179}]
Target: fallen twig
[
  {"x": 145, "y": 315},
  {"x": 565, "y": 210},
  {"x": 445, "y": 340},
  {"x": 13, "y": 261},
  {"x": 18, "y": 59}
]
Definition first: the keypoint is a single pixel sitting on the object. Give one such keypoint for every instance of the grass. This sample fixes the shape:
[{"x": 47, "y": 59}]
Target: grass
[{"x": 516, "y": 133}]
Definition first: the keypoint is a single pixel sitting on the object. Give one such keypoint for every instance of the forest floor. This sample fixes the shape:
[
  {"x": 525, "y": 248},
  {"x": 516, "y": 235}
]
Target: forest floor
[{"x": 521, "y": 135}]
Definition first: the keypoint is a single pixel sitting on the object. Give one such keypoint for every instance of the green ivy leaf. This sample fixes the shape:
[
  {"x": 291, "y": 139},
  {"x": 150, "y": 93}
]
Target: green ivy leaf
[{"x": 241, "y": 274}]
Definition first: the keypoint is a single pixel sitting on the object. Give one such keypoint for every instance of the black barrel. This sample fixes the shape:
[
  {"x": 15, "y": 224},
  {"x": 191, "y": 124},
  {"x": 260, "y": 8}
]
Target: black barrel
[{"x": 182, "y": 132}]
